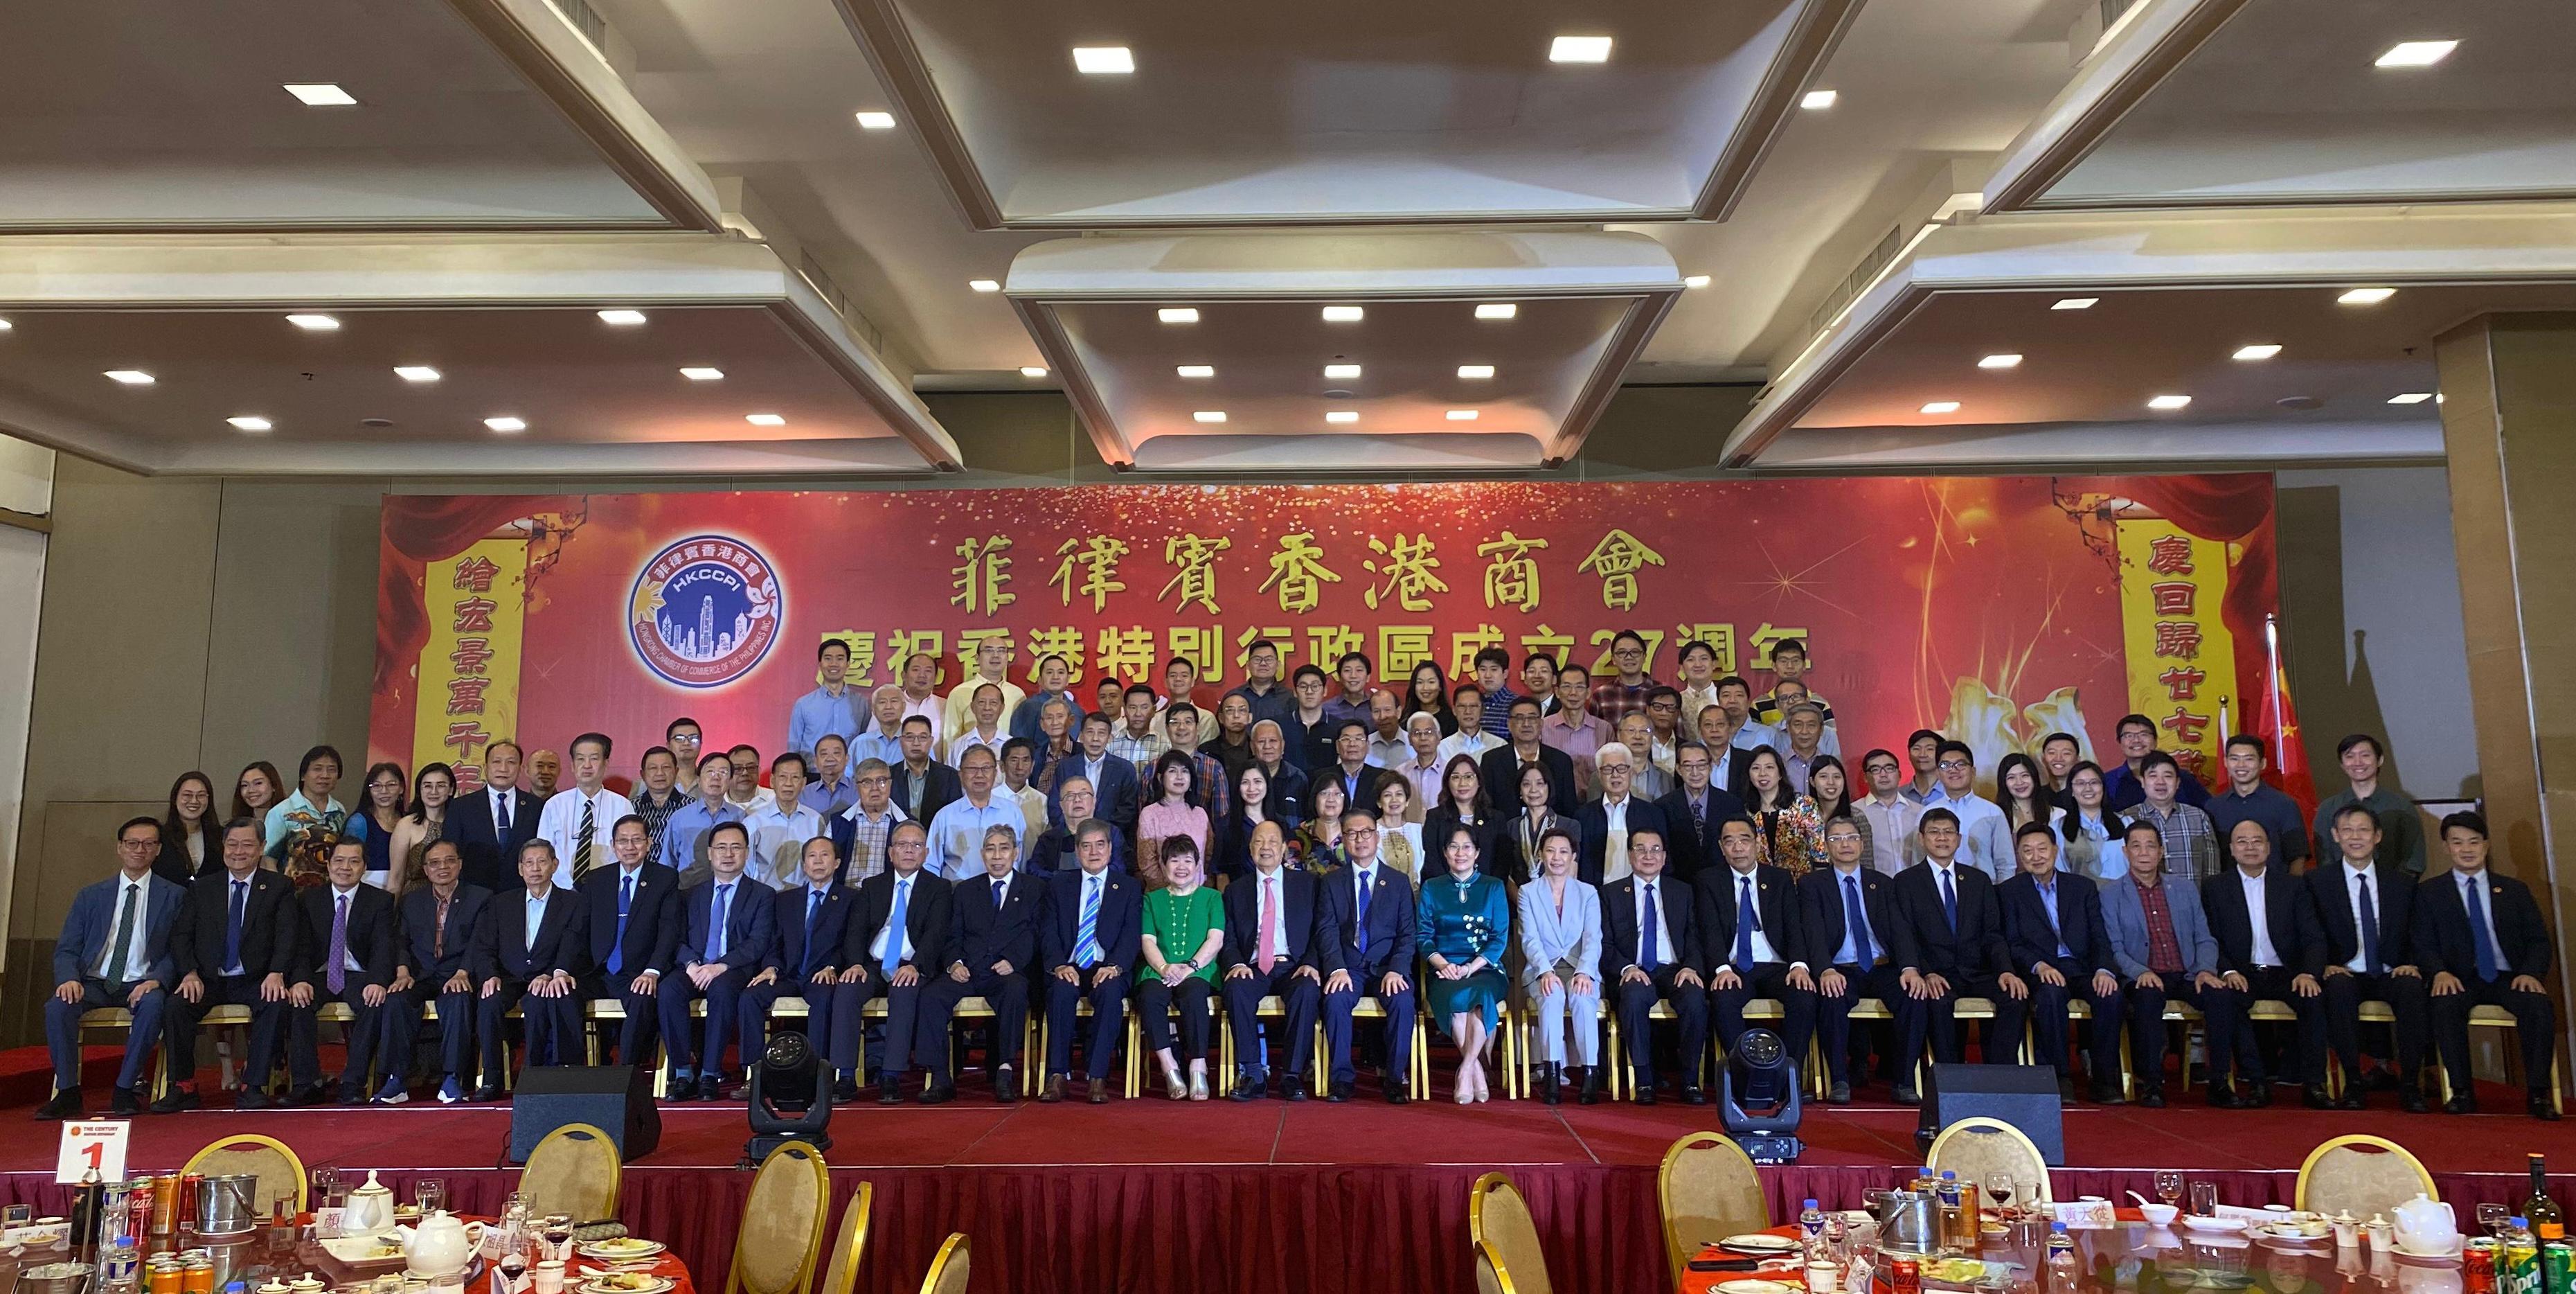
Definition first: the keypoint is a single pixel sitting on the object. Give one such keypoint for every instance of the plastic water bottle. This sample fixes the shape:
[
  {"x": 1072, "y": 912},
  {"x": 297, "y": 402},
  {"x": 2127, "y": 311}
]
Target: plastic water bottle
[
  {"x": 2062, "y": 1267},
  {"x": 1811, "y": 1230}
]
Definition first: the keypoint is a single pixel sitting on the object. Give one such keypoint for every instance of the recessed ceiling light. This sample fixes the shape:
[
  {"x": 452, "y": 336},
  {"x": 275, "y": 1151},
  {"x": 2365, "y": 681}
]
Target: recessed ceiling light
[
  {"x": 1032, "y": 370},
  {"x": 2366, "y": 296},
  {"x": 1177, "y": 314},
  {"x": 248, "y": 422},
  {"x": 2264, "y": 350},
  {"x": 1344, "y": 314},
  {"x": 621, "y": 318},
  {"x": 1103, "y": 60},
  {"x": 764, "y": 420},
  {"x": 1462, "y": 415},
  {"x": 1341, "y": 372},
  {"x": 5, "y": 325},
  {"x": 2076, "y": 303},
  {"x": 1695, "y": 281},
  {"x": 2000, "y": 361},
  {"x": 129, "y": 376},
  {"x": 1475, "y": 371},
  {"x": 2168, "y": 401},
  {"x": 1818, "y": 100},
  {"x": 314, "y": 323},
  {"x": 1209, "y": 415},
  {"x": 320, "y": 94},
  {"x": 984, "y": 285},
  {"x": 2411, "y": 397},
  {"x": 1579, "y": 49},
  {"x": 506, "y": 424},
  {"x": 1941, "y": 406},
  {"x": 696, "y": 374},
  {"x": 416, "y": 372},
  {"x": 2416, "y": 53},
  {"x": 1497, "y": 310},
  {"x": 1342, "y": 416},
  {"x": 876, "y": 121},
  {"x": 1197, "y": 370}
]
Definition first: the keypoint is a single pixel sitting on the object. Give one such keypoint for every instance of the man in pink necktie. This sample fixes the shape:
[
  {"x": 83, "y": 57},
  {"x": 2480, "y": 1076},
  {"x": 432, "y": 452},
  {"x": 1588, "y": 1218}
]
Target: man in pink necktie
[{"x": 1270, "y": 915}]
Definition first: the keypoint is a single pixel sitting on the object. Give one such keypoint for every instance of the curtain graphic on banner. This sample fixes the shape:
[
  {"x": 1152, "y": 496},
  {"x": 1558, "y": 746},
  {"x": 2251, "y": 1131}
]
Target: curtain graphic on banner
[{"x": 1999, "y": 609}]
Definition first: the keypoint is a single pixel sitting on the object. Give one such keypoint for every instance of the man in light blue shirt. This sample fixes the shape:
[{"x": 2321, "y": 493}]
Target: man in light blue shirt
[
  {"x": 1055, "y": 677},
  {"x": 831, "y": 708},
  {"x": 780, "y": 829},
  {"x": 957, "y": 831},
  {"x": 884, "y": 738},
  {"x": 684, "y": 836},
  {"x": 832, "y": 789},
  {"x": 1983, "y": 842}
]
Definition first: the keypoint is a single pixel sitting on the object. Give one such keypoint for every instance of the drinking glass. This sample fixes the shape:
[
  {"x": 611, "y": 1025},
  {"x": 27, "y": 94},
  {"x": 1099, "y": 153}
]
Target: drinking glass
[
  {"x": 430, "y": 1193},
  {"x": 2204, "y": 1199},
  {"x": 2495, "y": 1218},
  {"x": 2169, "y": 1186},
  {"x": 1999, "y": 1188}
]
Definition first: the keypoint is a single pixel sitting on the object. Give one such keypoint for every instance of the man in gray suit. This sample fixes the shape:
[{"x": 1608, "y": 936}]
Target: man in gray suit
[{"x": 2165, "y": 953}]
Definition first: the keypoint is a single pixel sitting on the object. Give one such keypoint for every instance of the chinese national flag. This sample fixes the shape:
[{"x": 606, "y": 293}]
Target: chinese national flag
[{"x": 2276, "y": 720}]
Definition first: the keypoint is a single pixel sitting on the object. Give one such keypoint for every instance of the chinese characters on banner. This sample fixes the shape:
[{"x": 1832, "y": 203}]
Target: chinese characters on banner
[
  {"x": 2182, "y": 660},
  {"x": 469, "y": 670}
]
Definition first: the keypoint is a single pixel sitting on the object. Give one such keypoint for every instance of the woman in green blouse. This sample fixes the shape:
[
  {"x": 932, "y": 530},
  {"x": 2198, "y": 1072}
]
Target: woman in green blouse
[
  {"x": 1184, "y": 926},
  {"x": 1465, "y": 922}
]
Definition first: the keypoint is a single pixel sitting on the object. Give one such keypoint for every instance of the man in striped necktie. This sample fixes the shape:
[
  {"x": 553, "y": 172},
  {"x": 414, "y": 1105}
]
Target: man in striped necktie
[{"x": 1092, "y": 932}]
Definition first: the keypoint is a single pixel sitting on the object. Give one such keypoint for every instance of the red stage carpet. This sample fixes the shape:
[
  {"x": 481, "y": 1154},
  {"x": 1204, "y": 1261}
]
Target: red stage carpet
[{"x": 1272, "y": 1198}]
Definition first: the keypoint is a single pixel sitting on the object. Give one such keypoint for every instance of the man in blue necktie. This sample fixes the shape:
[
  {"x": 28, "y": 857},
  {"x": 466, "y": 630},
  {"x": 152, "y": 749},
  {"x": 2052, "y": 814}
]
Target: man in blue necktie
[
  {"x": 114, "y": 951},
  {"x": 1843, "y": 910},
  {"x": 1652, "y": 954},
  {"x": 1752, "y": 942},
  {"x": 2484, "y": 942},
  {"x": 2366, "y": 911},
  {"x": 731, "y": 936},
  {"x": 811, "y": 918},
  {"x": 1091, "y": 933},
  {"x": 897, "y": 938},
  {"x": 233, "y": 945},
  {"x": 1948, "y": 941},
  {"x": 2053, "y": 925},
  {"x": 631, "y": 910}
]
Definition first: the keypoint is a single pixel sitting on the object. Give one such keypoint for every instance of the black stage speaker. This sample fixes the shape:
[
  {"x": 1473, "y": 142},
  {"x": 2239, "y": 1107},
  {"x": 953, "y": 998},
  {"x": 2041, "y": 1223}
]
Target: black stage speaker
[
  {"x": 615, "y": 1098},
  {"x": 2024, "y": 1096}
]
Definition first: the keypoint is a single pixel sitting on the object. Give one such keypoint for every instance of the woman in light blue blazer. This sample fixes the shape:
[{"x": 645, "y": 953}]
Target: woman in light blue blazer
[{"x": 1560, "y": 927}]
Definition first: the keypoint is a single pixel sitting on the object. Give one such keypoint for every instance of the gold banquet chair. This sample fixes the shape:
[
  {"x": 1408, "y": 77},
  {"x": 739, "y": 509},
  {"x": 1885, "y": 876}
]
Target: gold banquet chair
[
  {"x": 842, "y": 1273},
  {"x": 2362, "y": 1173},
  {"x": 782, "y": 1223},
  {"x": 1498, "y": 1220},
  {"x": 1708, "y": 1191},
  {"x": 574, "y": 1171},
  {"x": 1490, "y": 1278},
  {"x": 947, "y": 1273},
  {"x": 280, "y": 1171},
  {"x": 1979, "y": 1147}
]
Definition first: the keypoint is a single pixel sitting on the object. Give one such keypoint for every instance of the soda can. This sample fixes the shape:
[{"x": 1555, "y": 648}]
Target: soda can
[
  {"x": 197, "y": 1273},
  {"x": 162, "y": 1276},
  {"x": 1904, "y": 1274},
  {"x": 2478, "y": 1263},
  {"x": 138, "y": 1222},
  {"x": 2558, "y": 1267}
]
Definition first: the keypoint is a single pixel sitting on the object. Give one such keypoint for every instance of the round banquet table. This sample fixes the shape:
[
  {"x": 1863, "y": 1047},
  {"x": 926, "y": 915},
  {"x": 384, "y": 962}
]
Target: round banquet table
[
  {"x": 2134, "y": 1256},
  {"x": 254, "y": 1259}
]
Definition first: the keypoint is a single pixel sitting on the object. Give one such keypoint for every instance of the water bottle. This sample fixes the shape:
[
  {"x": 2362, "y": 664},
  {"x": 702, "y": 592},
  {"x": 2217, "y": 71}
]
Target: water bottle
[
  {"x": 1811, "y": 1230},
  {"x": 2062, "y": 1267}
]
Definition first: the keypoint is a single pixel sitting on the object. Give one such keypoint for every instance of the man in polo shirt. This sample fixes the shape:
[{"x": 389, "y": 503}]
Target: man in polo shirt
[
  {"x": 2401, "y": 825},
  {"x": 1494, "y": 685},
  {"x": 2123, "y": 784},
  {"x": 2248, "y": 799},
  {"x": 1269, "y": 698},
  {"x": 1353, "y": 670},
  {"x": 992, "y": 666}
]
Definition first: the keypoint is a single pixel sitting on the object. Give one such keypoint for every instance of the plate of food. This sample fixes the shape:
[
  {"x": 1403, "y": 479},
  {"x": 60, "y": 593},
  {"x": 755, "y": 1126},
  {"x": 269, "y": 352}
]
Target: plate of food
[
  {"x": 1953, "y": 1271},
  {"x": 2291, "y": 1233},
  {"x": 621, "y": 1248},
  {"x": 1753, "y": 1287},
  {"x": 365, "y": 1249},
  {"x": 1758, "y": 1242},
  {"x": 625, "y": 1283}
]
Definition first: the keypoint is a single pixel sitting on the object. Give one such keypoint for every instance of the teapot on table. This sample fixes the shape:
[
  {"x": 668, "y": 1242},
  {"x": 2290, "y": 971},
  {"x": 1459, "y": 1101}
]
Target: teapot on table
[
  {"x": 370, "y": 1209},
  {"x": 2427, "y": 1226},
  {"x": 441, "y": 1245}
]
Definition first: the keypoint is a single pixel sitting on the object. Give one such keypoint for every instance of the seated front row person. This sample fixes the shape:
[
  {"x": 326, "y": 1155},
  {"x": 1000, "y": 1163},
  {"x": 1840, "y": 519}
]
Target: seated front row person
[
  {"x": 811, "y": 917},
  {"x": 729, "y": 934},
  {"x": 529, "y": 957},
  {"x": 2053, "y": 925},
  {"x": 1560, "y": 935},
  {"x": 1369, "y": 920},
  {"x": 632, "y": 913},
  {"x": 1271, "y": 950},
  {"x": 1949, "y": 942},
  {"x": 1845, "y": 912},
  {"x": 899, "y": 927},
  {"x": 233, "y": 945},
  {"x": 345, "y": 955},
  {"x": 992, "y": 947},
  {"x": 114, "y": 952},
  {"x": 1752, "y": 942},
  {"x": 1464, "y": 931},
  {"x": 1088, "y": 935},
  {"x": 2481, "y": 937},
  {"x": 437, "y": 924},
  {"x": 1182, "y": 931},
  {"x": 2165, "y": 952},
  {"x": 1652, "y": 952}
]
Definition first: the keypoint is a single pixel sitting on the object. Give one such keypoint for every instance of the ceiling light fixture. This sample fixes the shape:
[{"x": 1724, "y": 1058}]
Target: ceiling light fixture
[
  {"x": 764, "y": 419},
  {"x": 320, "y": 94},
  {"x": 1177, "y": 314},
  {"x": 1344, "y": 314},
  {"x": 2000, "y": 361},
  {"x": 2416, "y": 53},
  {"x": 1342, "y": 417},
  {"x": 1196, "y": 370},
  {"x": 1462, "y": 415},
  {"x": 876, "y": 121},
  {"x": 129, "y": 376},
  {"x": 314, "y": 323},
  {"x": 622, "y": 318},
  {"x": 2365, "y": 296},
  {"x": 696, "y": 374},
  {"x": 1032, "y": 370},
  {"x": 1818, "y": 100},
  {"x": 1341, "y": 372},
  {"x": 506, "y": 423},
  {"x": 416, "y": 372},
  {"x": 1579, "y": 49},
  {"x": 1103, "y": 60},
  {"x": 1208, "y": 415},
  {"x": 1497, "y": 310},
  {"x": 249, "y": 422},
  {"x": 2076, "y": 303},
  {"x": 2411, "y": 397},
  {"x": 2262, "y": 350},
  {"x": 1476, "y": 372},
  {"x": 2168, "y": 401},
  {"x": 5, "y": 325},
  {"x": 1941, "y": 406},
  {"x": 984, "y": 285},
  {"x": 1695, "y": 281}
]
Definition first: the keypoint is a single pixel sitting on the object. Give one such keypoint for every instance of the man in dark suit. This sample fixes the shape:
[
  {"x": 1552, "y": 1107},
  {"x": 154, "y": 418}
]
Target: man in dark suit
[
  {"x": 1766, "y": 957},
  {"x": 1650, "y": 952},
  {"x": 898, "y": 926},
  {"x": 2365, "y": 914},
  {"x": 1271, "y": 950},
  {"x": 114, "y": 952},
  {"x": 922, "y": 785},
  {"x": 1090, "y": 931},
  {"x": 1728, "y": 768},
  {"x": 1845, "y": 912},
  {"x": 632, "y": 915},
  {"x": 438, "y": 923},
  {"x": 1608, "y": 821},
  {"x": 1369, "y": 926},
  {"x": 2481, "y": 938},
  {"x": 1692, "y": 811},
  {"x": 2053, "y": 925},
  {"x": 2274, "y": 958},
  {"x": 729, "y": 933},
  {"x": 1350, "y": 770},
  {"x": 992, "y": 943},
  {"x": 1501, "y": 767},
  {"x": 1949, "y": 942},
  {"x": 490, "y": 823},
  {"x": 345, "y": 955},
  {"x": 1115, "y": 787},
  {"x": 530, "y": 957},
  {"x": 233, "y": 945},
  {"x": 812, "y": 918}
]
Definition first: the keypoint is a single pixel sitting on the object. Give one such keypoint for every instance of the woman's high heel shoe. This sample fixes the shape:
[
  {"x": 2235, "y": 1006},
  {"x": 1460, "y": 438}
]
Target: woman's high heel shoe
[{"x": 1173, "y": 1087}]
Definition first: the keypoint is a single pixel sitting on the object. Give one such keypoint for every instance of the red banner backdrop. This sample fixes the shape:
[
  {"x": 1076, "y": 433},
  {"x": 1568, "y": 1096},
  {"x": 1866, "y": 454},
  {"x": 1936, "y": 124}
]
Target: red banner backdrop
[{"x": 1986, "y": 607}]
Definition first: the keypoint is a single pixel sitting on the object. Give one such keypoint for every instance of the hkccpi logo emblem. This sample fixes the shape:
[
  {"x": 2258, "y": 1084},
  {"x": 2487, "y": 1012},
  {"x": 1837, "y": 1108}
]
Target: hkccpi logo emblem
[{"x": 704, "y": 611}]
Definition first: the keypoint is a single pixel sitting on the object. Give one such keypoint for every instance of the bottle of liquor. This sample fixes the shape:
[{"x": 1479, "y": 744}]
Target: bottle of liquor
[{"x": 2547, "y": 1221}]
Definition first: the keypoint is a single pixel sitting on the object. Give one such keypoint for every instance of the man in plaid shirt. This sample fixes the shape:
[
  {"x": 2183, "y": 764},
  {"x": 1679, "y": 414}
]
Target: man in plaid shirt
[
  {"x": 863, "y": 830},
  {"x": 2191, "y": 839},
  {"x": 1617, "y": 697}
]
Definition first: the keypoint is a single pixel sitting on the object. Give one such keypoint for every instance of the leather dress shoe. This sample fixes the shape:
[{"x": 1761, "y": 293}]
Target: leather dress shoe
[
  {"x": 2315, "y": 1098},
  {"x": 2464, "y": 1104},
  {"x": 1397, "y": 1091},
  {"x": 845, "y": 1091},
  {"x": 1838, "y": 1094},
  {"x": 2108, "y": 1094},
  {"x": 938, "y": 1094},
  {"x": 1694, "y": 1094},
  {"x": 2222, "y": 1097},
  {"x": 1249, "y": 1087},
  {"x": 1340, "y": 1091},
  {"x": 124, "y": 1103},
  {"x": 1291, "y": 1089},
  {"x": 487, "y": 1092},
  {"x": 1006, "y": 1084},
  {"x": 175, "y": 1100},
  {"x": 1053, "y": 1091},
  {"x": 65, "y": 1104},
  {"x": 1099, "y": 1091},
  {"x": 1905, "y": 1095},
  {"x": 2412, "y": 1101},
  {"x": 252, "y": 1098},
  {"x": 890, "y": 1092},
  {"x": 2152, "y": 1098},
  {"x": 2542, "y": 1107}
]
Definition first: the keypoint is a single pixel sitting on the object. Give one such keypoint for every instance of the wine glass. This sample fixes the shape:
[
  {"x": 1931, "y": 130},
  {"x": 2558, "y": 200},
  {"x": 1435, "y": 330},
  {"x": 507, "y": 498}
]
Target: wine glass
[
  {"x": 2169, "y": 1186},
  {"x": 2495, "y": 1218},
  {"x": 430, "y": 1193},
  {"x": 2204, "y": 1199},
  {"x": 1999, "y": 1188}
]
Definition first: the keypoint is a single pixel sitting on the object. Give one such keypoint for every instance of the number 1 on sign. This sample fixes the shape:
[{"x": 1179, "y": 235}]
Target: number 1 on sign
[{"x": 92, "y": 1147}]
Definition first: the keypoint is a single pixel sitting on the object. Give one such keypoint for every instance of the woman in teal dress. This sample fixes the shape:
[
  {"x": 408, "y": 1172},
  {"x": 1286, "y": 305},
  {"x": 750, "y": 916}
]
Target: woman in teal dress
[{"x": 1466, "y": 921}]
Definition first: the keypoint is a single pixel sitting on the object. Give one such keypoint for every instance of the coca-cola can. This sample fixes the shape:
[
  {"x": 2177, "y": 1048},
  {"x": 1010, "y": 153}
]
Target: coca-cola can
[{"x": 1904, "y": 1274}]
